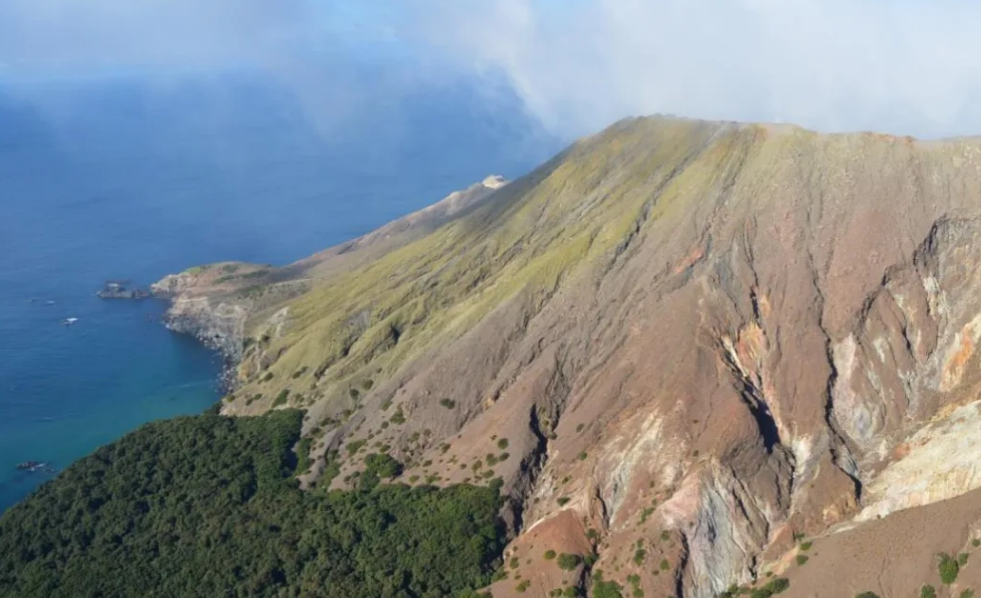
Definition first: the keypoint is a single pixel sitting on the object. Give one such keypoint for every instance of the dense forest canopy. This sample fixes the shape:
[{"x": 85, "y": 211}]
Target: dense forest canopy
[{"x": 208, "y": 506}]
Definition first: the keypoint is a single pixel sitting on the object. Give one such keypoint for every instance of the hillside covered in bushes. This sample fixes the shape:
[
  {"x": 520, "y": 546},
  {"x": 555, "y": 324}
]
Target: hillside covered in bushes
[{"x": 209, "y": 506}]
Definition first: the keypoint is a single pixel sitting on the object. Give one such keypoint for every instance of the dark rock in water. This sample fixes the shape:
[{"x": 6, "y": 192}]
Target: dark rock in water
[
  {"x": 116, "y": 289},
  {"x": 34, "y": 466}
]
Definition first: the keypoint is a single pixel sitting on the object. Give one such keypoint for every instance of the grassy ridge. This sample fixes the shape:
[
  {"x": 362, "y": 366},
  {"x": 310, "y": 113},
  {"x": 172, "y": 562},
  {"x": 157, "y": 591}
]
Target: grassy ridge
[{"x": 533, "y": 234}]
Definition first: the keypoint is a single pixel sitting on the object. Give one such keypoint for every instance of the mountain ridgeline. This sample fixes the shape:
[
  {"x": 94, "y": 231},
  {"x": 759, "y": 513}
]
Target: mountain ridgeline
[{"x": 704, "y": 358}]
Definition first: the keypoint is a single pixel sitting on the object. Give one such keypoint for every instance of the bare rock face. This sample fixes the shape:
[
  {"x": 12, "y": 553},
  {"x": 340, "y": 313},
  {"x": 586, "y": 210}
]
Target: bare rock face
[{"x": 681, "y": 344}]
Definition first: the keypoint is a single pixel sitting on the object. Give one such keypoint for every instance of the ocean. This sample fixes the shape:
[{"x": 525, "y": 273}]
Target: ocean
[{"x": 120, "y": 178}]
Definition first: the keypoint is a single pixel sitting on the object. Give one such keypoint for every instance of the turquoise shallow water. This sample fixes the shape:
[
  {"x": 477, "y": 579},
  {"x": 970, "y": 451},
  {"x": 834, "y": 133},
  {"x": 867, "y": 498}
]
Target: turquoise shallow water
[{"x": 118, "y": 180}]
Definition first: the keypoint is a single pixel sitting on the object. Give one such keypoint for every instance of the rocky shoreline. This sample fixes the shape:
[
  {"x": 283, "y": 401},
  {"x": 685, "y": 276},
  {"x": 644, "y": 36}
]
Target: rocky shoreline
[{"x": 219, "y": 326}]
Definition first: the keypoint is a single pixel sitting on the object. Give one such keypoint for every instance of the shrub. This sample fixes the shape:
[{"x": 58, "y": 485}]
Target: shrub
[
  {"x": 398, "y": 418},
  {"x": 976, "y": 542},
  {"x": 281, "y": 397},
  {"x": 580, "y": 427},
  {"x": 583, "y": 456},
  {"x": 563, "y": 501},
  {"x": 355, "y": 445},
  {"x": 867, "y": 595},
  {"x": 447, "y": 403},
  {"x": 948, "y": 568},
  {"x": 962, "y": 559},
  {"x": 502, "y": 443},
  {"x": 303, "y": 461},
  {"x": 967, "y": 593},
  {"x": 774, "y": 586},
  {"x": 384, "y": 465},
  {"x": 801, "y": 559},
  {"x": 549, "y": 555},
  {"x": 568, "y": 562},
  {"x": 639, "y": 555},
  {"x": 928, "y": 591},
  {"x": 806, "y": 545},
  {"x": 522, "y": 587},
  {"x": 606, "y": 589},
  {"x": 354, "y": 392},
  {"x": 665, "y": 565}
]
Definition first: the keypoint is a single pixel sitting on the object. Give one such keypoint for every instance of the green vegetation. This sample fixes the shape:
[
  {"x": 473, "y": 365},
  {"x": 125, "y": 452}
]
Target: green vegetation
[
  {"x": 806, "y": 545},
  {"x": 208, "y": 506},
  {"x": 639, "y": 555},
  {"x": 568, "y": 562},
  {"x": 634, "y": 581},
  {"x": 776, "y": 585},
  {"x": 583, "y": 456},
  {"x": 447, "y": 403},
  {"x": 549, "y": 555},
  {"x": 664, "y": 565},
  {"x": 378, "y": 467},
  {"x": 303, "y": 461},
  {"x": 522, "y": 587},
  {"x": 967, "y": 593},
  {"x": 962, "y": 559},
  {"x": 928, "y": 591},
  {"x": 281, "y": 397},
  {"x": 563, "y": 501},
  {"x": 502, "y": 443},
  {"x": 801, "y": 559},
  {"x": 948, "y": 568},
  {"x": 976, "y": 542},
  {"x": 606, "y": 589},
  {"x": 398, "y": 418},
  {"x": 355, "y": 446},
  {"x": 867, "y": 595}
]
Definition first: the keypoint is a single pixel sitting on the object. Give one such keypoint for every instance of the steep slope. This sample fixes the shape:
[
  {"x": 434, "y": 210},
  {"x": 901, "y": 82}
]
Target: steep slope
[{"x": 680, "y": 344}]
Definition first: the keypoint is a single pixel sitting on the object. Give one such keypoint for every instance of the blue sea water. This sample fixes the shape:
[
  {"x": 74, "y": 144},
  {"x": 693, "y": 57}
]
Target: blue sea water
[{"x": 117, "y": 178}]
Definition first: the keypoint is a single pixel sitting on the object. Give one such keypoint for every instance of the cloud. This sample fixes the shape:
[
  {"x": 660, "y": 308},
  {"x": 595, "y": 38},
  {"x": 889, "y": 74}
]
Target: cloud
[
  {"x": 319, "y": 50},
  {"x": 904, "y": 66},
  {"x": 49, "y": 35}
]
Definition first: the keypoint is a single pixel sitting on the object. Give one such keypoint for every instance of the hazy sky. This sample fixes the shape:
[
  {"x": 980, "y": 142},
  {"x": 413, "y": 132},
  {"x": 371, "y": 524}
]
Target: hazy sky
[{"x": 904, "y": 66}]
